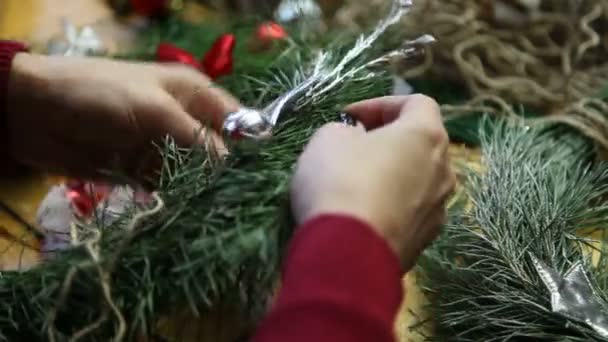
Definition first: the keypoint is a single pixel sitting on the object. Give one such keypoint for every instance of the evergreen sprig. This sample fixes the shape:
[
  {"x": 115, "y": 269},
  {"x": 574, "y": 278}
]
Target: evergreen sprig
[{"x": 538, "y": 193}]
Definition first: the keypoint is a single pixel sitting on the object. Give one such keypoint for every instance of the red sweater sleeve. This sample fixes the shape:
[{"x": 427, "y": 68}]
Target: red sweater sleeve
[{"x": 341, "y": 283}]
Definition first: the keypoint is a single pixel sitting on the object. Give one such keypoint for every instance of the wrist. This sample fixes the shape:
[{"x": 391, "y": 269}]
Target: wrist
[
  {"x": 8, "y": 52},
  {"x": 27, "y": 81},
  {"x": 381, "y": 225},
  {"x": 28, "y": 85}
]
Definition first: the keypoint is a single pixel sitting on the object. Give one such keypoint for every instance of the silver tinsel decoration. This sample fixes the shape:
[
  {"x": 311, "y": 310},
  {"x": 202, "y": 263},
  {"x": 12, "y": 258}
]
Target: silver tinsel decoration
[
  {"x": 76, "y": 42},
  {"x": 59, "y": 218},
  {"x": 573, "y": 296},
  {"x": 323, "y": 76},
  {"x": 292, "y": 10}
]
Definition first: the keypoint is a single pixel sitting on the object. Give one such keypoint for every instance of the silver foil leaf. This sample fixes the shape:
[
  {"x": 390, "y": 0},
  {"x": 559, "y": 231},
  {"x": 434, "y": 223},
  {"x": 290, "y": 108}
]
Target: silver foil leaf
[
  {"x": 76, "y": 42},
  {"x": 573, "y": 296}
]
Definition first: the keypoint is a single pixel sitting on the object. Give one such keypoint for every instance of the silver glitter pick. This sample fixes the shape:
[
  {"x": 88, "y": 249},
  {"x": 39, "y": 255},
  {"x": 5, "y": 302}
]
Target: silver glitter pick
[
  {"x": 324, "y": 75},
  {"x": 573, "y": 296},
  {"x": 75, "y": 42}
]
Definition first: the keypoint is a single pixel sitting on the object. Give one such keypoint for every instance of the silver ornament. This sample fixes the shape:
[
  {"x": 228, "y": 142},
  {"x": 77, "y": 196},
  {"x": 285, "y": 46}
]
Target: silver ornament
[
  {"x": 76, "y": 42},
  {"x": 292, "y": 10},
  {"x": 248, "y": 123},
  {"x": 258, "y": 124},
  {"x": 573, "y": 296},
  {"x": 323, "y": 75}
]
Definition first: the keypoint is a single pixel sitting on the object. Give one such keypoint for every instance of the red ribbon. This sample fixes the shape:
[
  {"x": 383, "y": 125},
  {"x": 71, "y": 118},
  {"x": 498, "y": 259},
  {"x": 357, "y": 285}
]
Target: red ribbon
[
  {"x": 85, "y": 196},
  {"x": 271, "y": 31},
  {"x": 266, "y": 35},
  {"x": 218, "y": 60},
  {"x": 167, "y": 52}
]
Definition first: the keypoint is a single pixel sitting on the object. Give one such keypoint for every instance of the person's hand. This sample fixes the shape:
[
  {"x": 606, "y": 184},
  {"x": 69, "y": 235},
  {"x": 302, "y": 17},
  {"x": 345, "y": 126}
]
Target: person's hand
[
  {"x": 396, "y": 176},
  {"x": 85, "y": 115}
]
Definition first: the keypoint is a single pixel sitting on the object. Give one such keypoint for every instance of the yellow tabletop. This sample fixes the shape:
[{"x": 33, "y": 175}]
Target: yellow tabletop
[{"x": 37, "y": 21}]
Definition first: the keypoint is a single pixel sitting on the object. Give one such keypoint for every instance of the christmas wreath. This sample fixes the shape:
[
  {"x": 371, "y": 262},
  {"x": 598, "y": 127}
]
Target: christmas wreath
[
  {"x": 522, "y": 257},
  {"x": 196, "y": 242}
]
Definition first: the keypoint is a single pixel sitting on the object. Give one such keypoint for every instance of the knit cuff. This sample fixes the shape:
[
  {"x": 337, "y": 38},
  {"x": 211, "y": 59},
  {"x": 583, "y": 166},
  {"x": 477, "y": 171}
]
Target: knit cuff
[{"x": 8, "y": 50}]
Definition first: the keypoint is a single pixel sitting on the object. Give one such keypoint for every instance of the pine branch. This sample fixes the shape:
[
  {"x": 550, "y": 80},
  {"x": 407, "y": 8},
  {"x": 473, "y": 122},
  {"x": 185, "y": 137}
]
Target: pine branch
[{"x": 538, "y": 190}]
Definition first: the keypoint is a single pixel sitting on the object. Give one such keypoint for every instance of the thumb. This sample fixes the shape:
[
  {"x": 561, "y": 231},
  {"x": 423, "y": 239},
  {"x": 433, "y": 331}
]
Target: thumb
[
  {"x": 420, "y": 111},
  {"x": 337, "y": 130},
  {"x": 211, "y": 104},
  {"x": 204, "y": 100},
  {"x": 332, "y": 133},
  {"x": 420, "y": 116},
  {"x": 413, "y": 109}
]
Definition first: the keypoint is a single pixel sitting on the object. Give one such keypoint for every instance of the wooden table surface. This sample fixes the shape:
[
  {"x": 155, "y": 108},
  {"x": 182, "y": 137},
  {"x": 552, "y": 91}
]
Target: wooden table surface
[{"x": 36, "y": 21}]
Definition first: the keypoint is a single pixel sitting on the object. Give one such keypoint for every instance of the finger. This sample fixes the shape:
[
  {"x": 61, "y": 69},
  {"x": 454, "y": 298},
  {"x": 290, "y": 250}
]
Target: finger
[
  {"x": 187, "y": 132},
  {"x": 452, "y": 182},
  {"x": 377, "y": 112},
  {"x": 336, "y": 130},
  {"x": 434, "y": 223},
  {"x": 89, "y": 163},
  {"x": 211, "y": 104},
  {"x": 421, "y": 111},
  {"x": 167, "y": 117},
  {"x": 420, "y": 118},
  {"x": 200, "y": 97},
  {"x": 417, "y": 110},
  {"x": 442, "y": 219}
]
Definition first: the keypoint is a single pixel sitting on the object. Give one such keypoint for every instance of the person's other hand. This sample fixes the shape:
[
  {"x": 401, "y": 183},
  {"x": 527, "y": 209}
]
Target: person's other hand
[
  {"x": 396, "y": 175},
  {"x": 82, "y": 115}
]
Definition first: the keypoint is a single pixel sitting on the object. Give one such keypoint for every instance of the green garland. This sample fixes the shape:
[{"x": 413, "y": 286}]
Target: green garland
[{"x": 217, "y": 240}]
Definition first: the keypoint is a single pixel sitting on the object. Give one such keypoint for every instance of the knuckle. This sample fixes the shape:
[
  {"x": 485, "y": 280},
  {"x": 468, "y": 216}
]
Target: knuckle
[
  {"x": 177, "y": 67},
  {"x": 182, "y": 71},
  {"x": 442, "y": 219},
  {"x": 437, "y": 135},
  {"x": 453, "y": 178},
  {"x": 451, "y": 183},
  {"x": 433, "y": 126},
  {"x": 428, "y": 104}
]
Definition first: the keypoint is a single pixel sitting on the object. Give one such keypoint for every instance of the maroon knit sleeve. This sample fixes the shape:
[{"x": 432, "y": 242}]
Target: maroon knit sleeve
[
  {"x": 8, "y": 50},
  {"x": 341, "y": 283}
]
